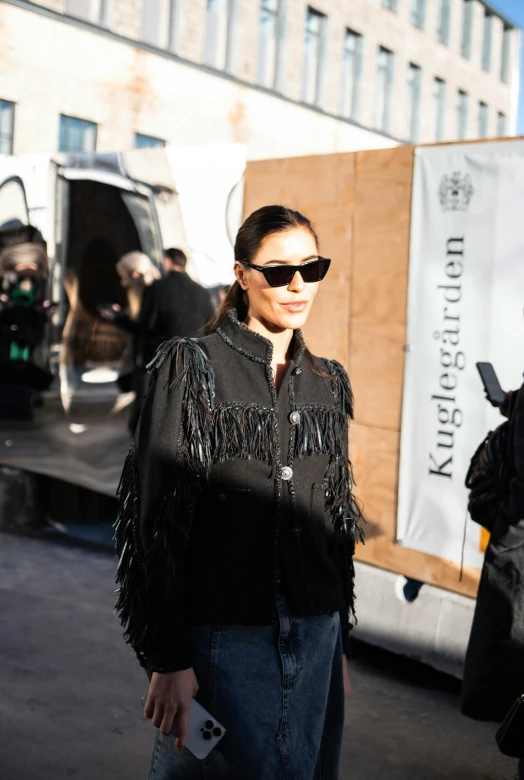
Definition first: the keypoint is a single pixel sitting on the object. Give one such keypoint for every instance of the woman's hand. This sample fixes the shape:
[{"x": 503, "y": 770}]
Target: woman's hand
[
  {"x": 347, "y": 681},
  {"x": 168, "y": 701}
]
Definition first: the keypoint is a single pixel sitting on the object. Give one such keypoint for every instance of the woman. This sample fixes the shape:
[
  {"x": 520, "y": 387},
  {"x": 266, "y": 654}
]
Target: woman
[
  {"x": 237, "y": 525},
  {"x": 137, "y": 274}
]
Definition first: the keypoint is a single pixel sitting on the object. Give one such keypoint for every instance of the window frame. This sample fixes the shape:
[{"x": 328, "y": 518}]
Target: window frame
[
  {"x": 384, "y": 124},
  {"x": 391, "y": 5},
  {"x": 356, "y": 75},
  {"x": 85, "y": 124},
  {"x": 102, "y": 19},
  {"x": 279, "y": 15},
  {"x": 466, "y": 37},
  {"x": 487, "y": 41},
  {"x": 505, "y": 54},
  {"x": 231, "y": 12},
  {"x": 462, "y": 111},
  {"x": 418, "y": 13},
  {"x": 321, "y": 58},
  {"x": 160, "y": 145},
  {"x": 501, "y": 116},
  {"x": 167, "y": 26},
  {"x": 440, "y": 114},
  {"x": 414, "y": 120},
  {"x": 444, "y": 22},
  {"x": 10, "y": 136},
  {"x": 483, "y": 114}
]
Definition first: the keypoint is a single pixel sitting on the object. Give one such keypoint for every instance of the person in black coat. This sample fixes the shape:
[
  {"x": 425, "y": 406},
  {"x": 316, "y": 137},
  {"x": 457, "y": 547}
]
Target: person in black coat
[
  {"x": 176, "y": 305},
  {"x": 237, "y": 525},
  {"x": 494, "y": 667}
]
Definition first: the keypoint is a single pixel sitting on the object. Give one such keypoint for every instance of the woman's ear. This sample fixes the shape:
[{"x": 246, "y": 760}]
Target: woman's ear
[{"x": 241, "y": 275}]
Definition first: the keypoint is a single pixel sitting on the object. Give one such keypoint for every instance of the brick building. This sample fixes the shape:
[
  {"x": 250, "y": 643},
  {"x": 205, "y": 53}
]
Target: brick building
[{"x": 284, "y": 77}]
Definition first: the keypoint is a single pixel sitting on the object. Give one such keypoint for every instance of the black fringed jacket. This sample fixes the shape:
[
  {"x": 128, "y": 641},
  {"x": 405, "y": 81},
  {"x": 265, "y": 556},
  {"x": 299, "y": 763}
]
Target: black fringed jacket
[{"x": 232, "y": 490}]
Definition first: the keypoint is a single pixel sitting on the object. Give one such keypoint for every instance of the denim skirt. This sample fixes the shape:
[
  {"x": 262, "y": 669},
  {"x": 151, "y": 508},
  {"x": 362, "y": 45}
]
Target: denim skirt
[{"x": 279, "y": 692}]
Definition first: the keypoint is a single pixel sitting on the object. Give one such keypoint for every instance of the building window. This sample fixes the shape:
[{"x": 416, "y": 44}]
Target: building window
[
  {"x": 439, "y": 108},
  {"x": 391, "y": 4},
  {"x": 160, "y": 23},
  {"x": 483, "y": 120},
  {"x": 486, "y": 40},
  {"x": 501, "y": 124},
  {"x": 95, "y": 11},
  {"x": 418, "y": 13},
  {"x": 76, "y": 135},
  {"x": 270, "y": 41},
  {"x": 7, "y": 125},
  {"x": 147, "y": 141},
  {"x": 220, "y": 33},
  {"x": 384, "y": 89},
  {"x": 462, "y": 114},
  {"x": 314, "y": 56},
  {"x": 467, "y": 28},
  {"x": 414, "y": 83},
  {"x": 443, "y": 21},
  {"x": 351, "y": 75},
  {"x": 506, "y": 51}
]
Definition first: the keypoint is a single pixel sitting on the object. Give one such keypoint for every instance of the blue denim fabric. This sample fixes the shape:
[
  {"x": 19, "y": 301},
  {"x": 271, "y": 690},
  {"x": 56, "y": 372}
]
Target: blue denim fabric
[
  {"x": 279, "y": 692},
  {"x": 521, "y": 769}
]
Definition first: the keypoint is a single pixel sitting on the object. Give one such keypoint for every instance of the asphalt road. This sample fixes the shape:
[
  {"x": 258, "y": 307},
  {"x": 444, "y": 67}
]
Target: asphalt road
[{"x": 70, "y": 689}]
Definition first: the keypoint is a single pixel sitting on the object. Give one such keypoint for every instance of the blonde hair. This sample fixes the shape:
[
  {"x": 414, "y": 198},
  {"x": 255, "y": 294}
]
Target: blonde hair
[
  {"x": 14, "y": 258},
  {"x": 139, "y": 262}
]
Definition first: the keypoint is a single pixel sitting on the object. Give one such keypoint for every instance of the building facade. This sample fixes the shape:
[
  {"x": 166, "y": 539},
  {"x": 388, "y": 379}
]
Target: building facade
[{"x": 285, "y": 77}]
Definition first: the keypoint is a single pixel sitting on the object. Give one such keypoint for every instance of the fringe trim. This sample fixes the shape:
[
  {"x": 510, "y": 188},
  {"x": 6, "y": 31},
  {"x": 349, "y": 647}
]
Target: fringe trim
[
  {"x": 243, "y": 432},
  {"x": 321, "y": 431},
  {"x": 191, "y": 367},
  {"x": 147, "y": 581},
  {"x": 346, "y": 516},
  {"x": 341, "y": 388}
]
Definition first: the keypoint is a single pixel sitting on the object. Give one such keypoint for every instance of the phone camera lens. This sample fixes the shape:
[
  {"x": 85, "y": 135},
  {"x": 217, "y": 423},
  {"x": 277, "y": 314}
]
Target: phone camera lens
[
  {"x": 207, "y": 735},
  {"x": 209, "y": 724},
  {"x": 217, "y": 732}
]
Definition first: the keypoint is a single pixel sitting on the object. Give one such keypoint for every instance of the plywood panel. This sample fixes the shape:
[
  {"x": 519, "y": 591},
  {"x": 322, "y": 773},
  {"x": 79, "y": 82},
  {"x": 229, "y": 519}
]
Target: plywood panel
[
  {"x": 322, "y": 188},
  {"x": 375, "y": 455},
  {"x": 379, "y": 283}
]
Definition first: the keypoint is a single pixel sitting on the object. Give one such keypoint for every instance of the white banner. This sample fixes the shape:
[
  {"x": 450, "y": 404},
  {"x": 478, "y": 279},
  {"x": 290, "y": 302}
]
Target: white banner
[{"x": 465, "y": 304}]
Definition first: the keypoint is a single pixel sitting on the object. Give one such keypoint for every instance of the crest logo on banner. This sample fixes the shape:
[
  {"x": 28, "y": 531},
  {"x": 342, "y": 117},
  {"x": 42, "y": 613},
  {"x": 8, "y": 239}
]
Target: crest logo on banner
[{"x": 455, "y": 192}]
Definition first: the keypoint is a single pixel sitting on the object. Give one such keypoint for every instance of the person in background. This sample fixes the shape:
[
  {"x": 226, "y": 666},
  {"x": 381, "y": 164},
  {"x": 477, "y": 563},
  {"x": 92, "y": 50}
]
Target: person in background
[
  {"x": 181, "y": 306},
  {"x": 494, "y": 667},
  {"x": 137, "y": 275},
  {"x": 137, "y": 272}
]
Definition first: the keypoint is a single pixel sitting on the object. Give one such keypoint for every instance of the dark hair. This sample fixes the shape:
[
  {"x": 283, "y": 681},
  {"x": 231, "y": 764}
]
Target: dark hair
[
  {"x": 257, "y": 227},
  {"x": 176, "y": 256}
]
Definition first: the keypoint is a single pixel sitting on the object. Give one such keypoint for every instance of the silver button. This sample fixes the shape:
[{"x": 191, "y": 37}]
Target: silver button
[
  {"x": 287, "y": 473},
  {"x": 294, "y": 418}
]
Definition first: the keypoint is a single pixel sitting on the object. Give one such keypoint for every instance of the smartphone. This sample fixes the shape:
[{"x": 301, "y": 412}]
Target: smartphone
[
  {"x": 494, "y": 391},
  {"x": 204, "y": 731}
]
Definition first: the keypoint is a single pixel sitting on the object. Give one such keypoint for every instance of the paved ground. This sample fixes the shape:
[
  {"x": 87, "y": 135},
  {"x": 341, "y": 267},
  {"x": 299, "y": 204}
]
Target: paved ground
[{"x": 70, "y": 689}]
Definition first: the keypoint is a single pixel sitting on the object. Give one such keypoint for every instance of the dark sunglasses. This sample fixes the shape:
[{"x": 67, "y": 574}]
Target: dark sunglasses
[{"x": 282, "y": 275}]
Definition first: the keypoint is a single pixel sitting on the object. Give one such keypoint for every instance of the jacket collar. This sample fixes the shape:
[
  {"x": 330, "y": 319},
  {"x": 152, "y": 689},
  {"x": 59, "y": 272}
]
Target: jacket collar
[{"x": 253, "y": 345}]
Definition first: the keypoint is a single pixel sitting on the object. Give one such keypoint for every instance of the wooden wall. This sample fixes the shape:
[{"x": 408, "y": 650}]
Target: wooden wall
[{"x": 360, "y": 204}]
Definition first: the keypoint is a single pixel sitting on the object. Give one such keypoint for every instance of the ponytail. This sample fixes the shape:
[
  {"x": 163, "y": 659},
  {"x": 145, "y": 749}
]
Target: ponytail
[{"x": 235, "y": 300}]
